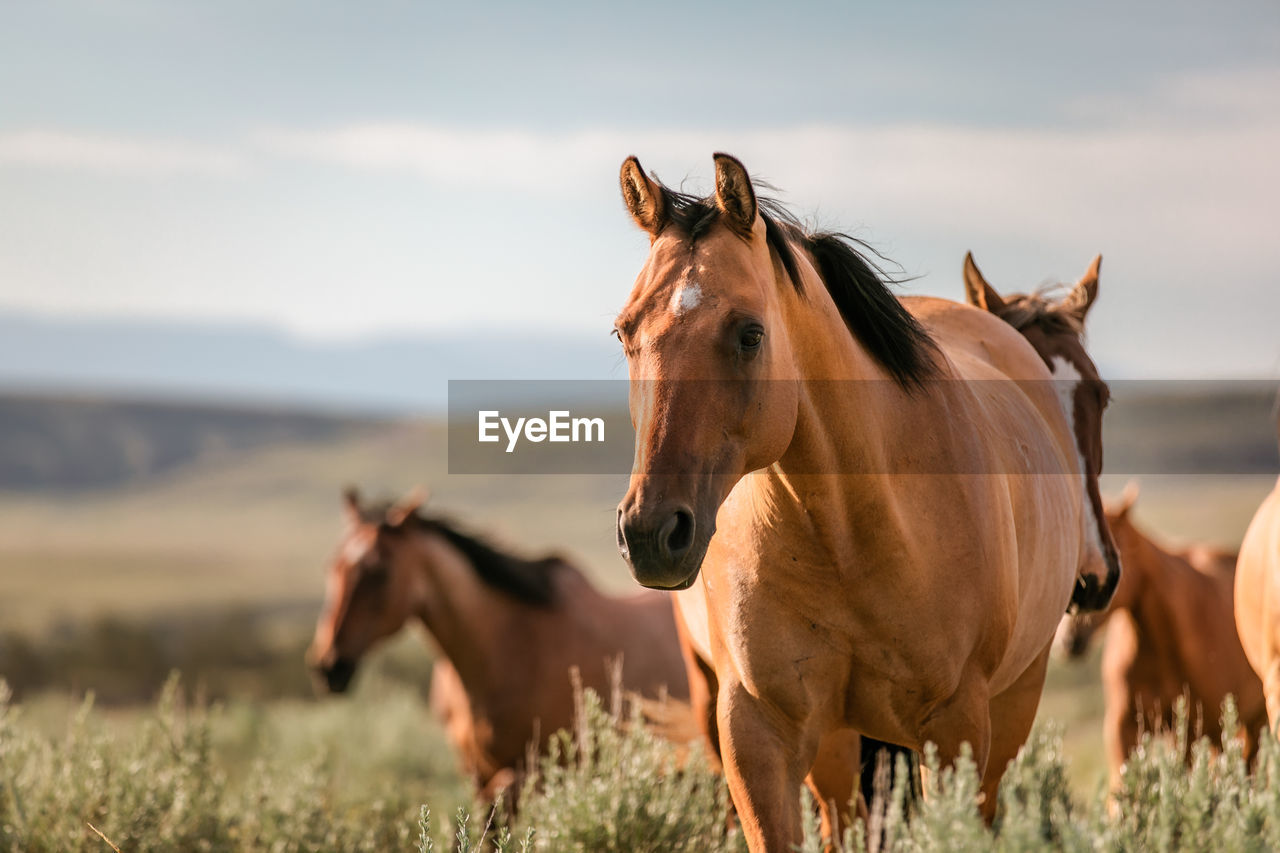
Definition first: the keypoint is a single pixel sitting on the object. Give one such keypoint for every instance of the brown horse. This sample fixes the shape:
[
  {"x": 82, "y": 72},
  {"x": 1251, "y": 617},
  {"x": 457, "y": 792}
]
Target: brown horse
[
  {"x": 892, "y": 549},
  {"x": 1170, "y": 633},
  {"x": 1257, "y": 597},
  {"x": 507, "y": 631},
  {"x": 1056, "y": 331}
]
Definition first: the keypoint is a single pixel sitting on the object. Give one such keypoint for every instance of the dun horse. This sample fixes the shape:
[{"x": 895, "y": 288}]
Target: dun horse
[
  {"x": 1257, "y": 596},
  {"x": 863, "y": 545},
  {"x": 1170, "y": 633},
  {"x": 507, "y": 630}
]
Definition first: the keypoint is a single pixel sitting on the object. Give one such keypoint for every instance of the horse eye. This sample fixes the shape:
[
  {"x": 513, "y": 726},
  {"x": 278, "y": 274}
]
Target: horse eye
[{"x": 750, "y": 338}]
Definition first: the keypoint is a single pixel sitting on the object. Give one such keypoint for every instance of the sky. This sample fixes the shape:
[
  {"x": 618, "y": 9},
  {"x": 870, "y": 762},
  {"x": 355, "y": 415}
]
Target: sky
[{"x": 347, "y": 172}]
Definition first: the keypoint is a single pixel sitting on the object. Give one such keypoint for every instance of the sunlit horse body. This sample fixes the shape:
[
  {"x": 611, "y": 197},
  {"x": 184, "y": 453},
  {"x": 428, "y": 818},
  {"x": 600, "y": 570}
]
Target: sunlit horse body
[
  {"x": 1257, "y": 597},
  {"x": 1170, "y": 633},
  {"x": 507, "y": 630},
  {"x": 892, "y": 550}
]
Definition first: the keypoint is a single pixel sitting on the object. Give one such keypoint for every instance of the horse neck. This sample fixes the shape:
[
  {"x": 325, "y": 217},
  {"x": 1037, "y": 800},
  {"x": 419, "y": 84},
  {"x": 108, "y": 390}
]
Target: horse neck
[
  {"x": 464, "y": 615},
  {"x": 1159, "y": 609},
  {"x": 840, "y": 384}
]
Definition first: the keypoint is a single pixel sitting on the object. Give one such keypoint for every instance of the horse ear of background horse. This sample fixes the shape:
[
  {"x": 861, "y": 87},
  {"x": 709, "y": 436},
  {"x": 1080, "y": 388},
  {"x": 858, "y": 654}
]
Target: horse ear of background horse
[
  {"x": 644, "y": 199},
  {"x": 351, "y": 505},
  {"x": 1127, "y": 499},
  {"x": 980, "y": 294},
  {"x": 735, "y": 197},
  {"x": 399, "y": 513},
  {"x": 1082, "y": 296},
  {"x": 977, "y": 291}
]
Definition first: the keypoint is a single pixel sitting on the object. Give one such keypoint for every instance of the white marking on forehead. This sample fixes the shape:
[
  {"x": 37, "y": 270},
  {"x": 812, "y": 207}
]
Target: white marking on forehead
[
  {"x": 1066, "y": 379},
  {"x": 687, "y": 296}
]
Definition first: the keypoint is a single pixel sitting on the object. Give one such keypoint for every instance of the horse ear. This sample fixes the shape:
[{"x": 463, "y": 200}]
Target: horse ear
[
  {"x": 977, "y": 292},
  {"x": 645, "y": 200},
  {"x": 1128, "y": 498},
  {"x": 406, "y": 506},
  {"x": 734, "y": 194},
  {"x": 1081, "y": 297},
  {"x": 351, "y": 505}
]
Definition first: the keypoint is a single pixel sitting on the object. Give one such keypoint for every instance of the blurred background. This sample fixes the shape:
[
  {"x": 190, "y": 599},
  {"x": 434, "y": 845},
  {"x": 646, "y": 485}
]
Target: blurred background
[{"x": 243, "y": 246}]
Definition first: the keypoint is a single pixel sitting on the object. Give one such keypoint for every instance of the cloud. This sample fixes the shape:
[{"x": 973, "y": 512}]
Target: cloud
[
  {"x": 1219, "y": 182},
  {"x": 115, "y": 155}
]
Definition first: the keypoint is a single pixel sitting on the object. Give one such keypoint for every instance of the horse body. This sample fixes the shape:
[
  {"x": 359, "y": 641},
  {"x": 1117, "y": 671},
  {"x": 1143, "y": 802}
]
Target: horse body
[
  {"x": 506, "y": 638},
  {"x": 1170, "y": 634},
  {"x": 890, "y": 556},
  {"x": 1257, "y": 599}
]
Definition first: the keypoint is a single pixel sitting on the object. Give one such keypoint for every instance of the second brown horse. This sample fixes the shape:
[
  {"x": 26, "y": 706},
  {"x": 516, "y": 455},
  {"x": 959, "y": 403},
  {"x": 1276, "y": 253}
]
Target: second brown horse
[
  {"x": 1171, "y": 634},
  {"x": 507, "y": 630}
]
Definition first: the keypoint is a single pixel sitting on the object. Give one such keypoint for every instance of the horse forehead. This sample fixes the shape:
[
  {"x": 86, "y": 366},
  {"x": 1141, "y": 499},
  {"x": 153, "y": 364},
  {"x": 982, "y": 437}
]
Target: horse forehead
[
  {"x": 674, "y": 295},
  {"x": 1065, "y": 354}
]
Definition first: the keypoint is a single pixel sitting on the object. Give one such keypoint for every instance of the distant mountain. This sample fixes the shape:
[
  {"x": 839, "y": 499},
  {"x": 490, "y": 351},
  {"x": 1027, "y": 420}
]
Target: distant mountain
[
  {"x": 73, "y": 443},
  {"x": 252, "y": 363}
]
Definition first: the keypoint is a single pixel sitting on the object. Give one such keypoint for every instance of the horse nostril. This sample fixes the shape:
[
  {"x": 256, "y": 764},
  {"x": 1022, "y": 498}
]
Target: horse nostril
[
  {"x": 676, "y": 535},
  {"x": 621, "y": 534}
]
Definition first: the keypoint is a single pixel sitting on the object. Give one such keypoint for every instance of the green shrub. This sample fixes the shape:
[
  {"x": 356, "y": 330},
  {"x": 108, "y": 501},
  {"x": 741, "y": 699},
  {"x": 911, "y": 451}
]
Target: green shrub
[
  {"x": 351, "y": 776},
  {"x": 612, "y": 785}
]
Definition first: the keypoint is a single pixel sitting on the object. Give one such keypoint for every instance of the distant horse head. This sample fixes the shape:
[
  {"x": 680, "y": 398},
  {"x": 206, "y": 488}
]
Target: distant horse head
[
  {"x": 1055, "y": 329},
  {"x": 1077, "y": 629},
  {"x": 395, "y": 563},
  {"x": 367, "y": 597},
  {"x": 713, "y": 366}
]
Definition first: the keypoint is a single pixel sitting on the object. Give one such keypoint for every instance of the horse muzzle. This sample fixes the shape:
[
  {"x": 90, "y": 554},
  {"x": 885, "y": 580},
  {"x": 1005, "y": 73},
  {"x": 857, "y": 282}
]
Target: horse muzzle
[
  {"x": 335, "y": 673},
  {"x": 664, "y": 547}
]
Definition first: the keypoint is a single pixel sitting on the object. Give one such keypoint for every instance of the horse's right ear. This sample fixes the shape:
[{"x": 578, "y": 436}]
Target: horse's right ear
[
  {"x": 977, "y": 292},
  {"x": 645, "y": 200},
  {"x": 398, "y": 514},
  {"x": 1081, "y": 297},
  {"x": 1127, "y": 499},
  {"x": 351, "y": 505}
]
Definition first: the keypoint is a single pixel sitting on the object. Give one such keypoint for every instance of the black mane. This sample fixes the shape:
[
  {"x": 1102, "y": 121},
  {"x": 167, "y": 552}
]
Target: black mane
[
  {"x": 529, "y": 581},
  {"x": 858, "y": 285}
]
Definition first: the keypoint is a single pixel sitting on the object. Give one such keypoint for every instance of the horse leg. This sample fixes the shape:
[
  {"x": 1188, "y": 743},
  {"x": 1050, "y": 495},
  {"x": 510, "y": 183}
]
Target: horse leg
[
  {"x": 1120, "y": 733},
  {"x": 1012, "y": 714},
  {"x": 766, "y": 756},
  {"x": 833, "y": 780},
  {"x": 963, "y": 718},
  {"x": 1271, "y": 692},
  {"x": 703, "y": 687}
]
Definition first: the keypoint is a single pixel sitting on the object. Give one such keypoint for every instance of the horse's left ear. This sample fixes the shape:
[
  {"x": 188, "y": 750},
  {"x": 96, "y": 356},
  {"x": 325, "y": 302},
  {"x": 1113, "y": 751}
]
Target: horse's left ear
[
  {"x": 351, "y": 505},
  {"x": 977, "y": 292},
  {"x": 406, "y": 506},
  {"x": 1081, "y": 297},
  {"x": 734, "y": 194},
  {"x": 1127, "y": 499}
]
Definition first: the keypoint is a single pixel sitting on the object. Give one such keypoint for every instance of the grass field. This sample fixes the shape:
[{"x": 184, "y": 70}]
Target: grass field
[{"x": 238, "y": 541}]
